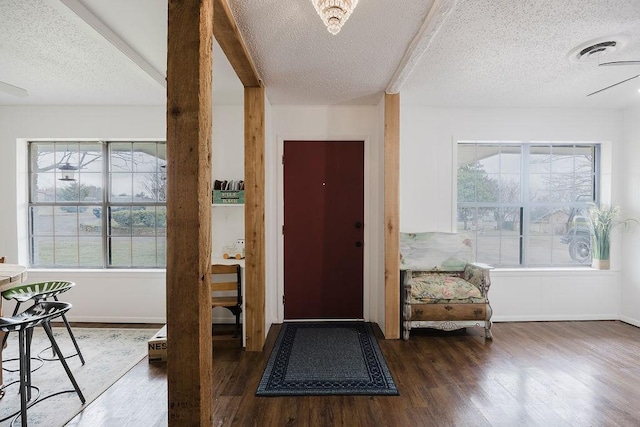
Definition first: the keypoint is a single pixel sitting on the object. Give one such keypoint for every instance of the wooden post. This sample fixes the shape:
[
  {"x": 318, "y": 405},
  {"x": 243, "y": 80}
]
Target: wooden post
[
  {"x": 189, "y": 77},
  {"x": 392, "y": 215},
  {"x": 226, "y": 33},
  {"x": 254, "y": 184}
]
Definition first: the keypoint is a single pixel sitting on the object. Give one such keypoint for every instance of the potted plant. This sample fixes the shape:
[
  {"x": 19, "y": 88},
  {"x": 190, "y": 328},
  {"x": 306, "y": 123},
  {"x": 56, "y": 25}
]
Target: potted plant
[{"x": 602, "y": 220}]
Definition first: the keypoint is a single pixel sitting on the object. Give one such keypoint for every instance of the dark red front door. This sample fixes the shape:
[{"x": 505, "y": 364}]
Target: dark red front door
[{"x": 323, "y": 229}]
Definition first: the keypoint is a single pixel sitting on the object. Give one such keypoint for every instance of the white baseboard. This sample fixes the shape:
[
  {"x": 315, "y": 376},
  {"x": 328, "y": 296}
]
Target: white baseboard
[
  {"x": 554, "y": 318},
  {"x": 97, "y": 319},
  {"x": 160, "y": 320},
  {"x": 630, "y": 320}
]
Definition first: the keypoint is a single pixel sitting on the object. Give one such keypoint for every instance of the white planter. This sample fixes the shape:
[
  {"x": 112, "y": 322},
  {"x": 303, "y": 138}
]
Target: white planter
[{"x": 600, "y": 264}]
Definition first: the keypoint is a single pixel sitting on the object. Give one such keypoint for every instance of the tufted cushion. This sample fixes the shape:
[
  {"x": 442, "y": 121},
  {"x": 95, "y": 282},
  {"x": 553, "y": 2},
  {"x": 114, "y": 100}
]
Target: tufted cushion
[{"x": 434, "y": 288}]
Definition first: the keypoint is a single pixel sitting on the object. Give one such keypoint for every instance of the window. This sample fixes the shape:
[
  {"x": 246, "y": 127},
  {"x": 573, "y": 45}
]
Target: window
[
  {"x": 525, "y": 202},
  {"x": 97, "y": 204}
]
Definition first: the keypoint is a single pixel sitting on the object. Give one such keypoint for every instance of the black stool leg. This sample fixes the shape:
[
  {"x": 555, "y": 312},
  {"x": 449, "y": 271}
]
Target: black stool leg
[
  {"x": 235, "y": 335},
  {"x": 47, "y": 327},
  {"x": 73, "y": 338},
  {"x": 6, "y": 335},
  {"x": 24, "y": 384},
  {"x": 29, "y": 338}
]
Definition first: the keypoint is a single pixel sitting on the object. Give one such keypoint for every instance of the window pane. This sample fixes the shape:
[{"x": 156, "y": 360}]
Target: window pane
[
  {"x": 42, "y": 220},
  {"x": 149, "y": 187},
  {"x": 70, "y": 191},
  {"x": 475, "y": 184},
  {"x": 509, "y": 188},
  {"x": 161, "y": 220},
  {"x": 144, "y": 251},
  {"x": 540, "y": 160},
  {"x": 42, "y": 251},
  {"x": 120, "y": 252},
  {"x": 90, "y": 187},
  {"x": 162, "y": 252},
  {"x": 539, "y": 250},
  {"x": 122, "y": 187},
  {"x": 91, "y": 251},
  {"x": 65, "y": 220},
  {"x": 42, "y": 157},
  {"x": 90, "y": 221},
  {"x": 67, "y": 251},
  {"x": 466, "y": 154},
  {"x": 120, "y": 221},
  {"x": 577, "y": 237},
  {"x": 508, "y": 220},
  {"x": 510, "y": 158},
  {"x": 121, "y": 158},
  {"x": 70, "y": 177},
  {"x": 547, "y": 183},
  {"x": 43, "y": 187},
  {"x": 488, "y": 249},
  {"x": 145, "y": 158}
]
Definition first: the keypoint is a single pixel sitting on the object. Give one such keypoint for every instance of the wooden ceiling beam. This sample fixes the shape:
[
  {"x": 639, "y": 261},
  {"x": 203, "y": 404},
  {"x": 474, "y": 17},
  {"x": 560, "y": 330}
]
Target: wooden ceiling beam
[{"x": 226, "y": 33}]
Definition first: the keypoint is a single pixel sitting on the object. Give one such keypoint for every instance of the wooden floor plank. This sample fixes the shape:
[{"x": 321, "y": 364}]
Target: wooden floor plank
[{"x": 542, "y": 373}]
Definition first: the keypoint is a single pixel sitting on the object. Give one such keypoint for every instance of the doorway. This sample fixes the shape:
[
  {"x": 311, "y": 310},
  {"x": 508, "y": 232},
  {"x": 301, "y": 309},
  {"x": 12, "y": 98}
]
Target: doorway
[{"x": 323, "y": 229}]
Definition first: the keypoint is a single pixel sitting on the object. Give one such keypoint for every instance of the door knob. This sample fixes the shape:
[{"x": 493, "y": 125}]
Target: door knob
[
  {"x": 358, "y": 244},
  {"x": 358, "y": 224}
]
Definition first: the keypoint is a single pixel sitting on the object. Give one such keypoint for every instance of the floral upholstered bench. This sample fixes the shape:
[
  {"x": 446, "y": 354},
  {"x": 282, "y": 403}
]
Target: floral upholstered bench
[{"x": 442, "y": 287}]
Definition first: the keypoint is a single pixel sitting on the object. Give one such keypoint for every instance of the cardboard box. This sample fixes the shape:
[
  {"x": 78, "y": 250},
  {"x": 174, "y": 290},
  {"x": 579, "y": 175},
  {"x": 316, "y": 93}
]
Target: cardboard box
[{"x": 158, "y": 346}]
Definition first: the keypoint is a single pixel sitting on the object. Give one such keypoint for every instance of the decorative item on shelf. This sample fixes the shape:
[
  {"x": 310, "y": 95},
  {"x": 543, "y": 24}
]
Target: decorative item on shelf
[
  {"x": 602, "y": 220},
  {"x": 235, "y": 251},
  {"x": 228, "y": 192}
]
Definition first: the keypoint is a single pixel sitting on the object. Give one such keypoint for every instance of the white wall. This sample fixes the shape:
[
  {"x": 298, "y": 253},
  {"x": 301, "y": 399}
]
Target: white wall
[
  {"x": 108, "y": 295},
  {"x": 227, "y": 164},
  {"x": 630, "y": 298},
  {"x": 427, "y": 200},
  {"x": 336, "y": 123},
  {"x": 426, "y": 203}
]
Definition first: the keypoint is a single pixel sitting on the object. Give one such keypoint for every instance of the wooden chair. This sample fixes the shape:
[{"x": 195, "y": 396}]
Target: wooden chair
[{"x": 221, "y": 288}]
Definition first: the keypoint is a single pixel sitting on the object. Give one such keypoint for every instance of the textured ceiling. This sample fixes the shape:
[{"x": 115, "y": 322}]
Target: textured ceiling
[
  {"x": 58, "y": 59},
  {"x": 300, "y": 62},
  {"x": 514, "y": 54},
  {"x": 481, "y": 53}
]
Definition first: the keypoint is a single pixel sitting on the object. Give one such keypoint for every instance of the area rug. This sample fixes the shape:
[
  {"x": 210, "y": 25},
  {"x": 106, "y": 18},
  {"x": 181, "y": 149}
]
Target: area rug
[
  {"x": 108, "y": 353},
  {"x": 326, "y": 359}
]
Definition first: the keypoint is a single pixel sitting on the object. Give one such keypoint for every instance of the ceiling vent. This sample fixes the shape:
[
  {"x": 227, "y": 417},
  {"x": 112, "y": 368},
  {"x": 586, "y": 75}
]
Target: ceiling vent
[{"x": 595, "y": 49}]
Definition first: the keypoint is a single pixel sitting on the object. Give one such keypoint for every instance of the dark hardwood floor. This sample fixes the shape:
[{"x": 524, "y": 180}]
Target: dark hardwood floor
[{"x": 532, "y": 374}]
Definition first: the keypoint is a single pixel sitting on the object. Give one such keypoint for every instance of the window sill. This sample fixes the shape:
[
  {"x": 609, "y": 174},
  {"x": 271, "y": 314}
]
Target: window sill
[
  {"x": 551, "y": 271},
  {"x": 78, "y": 272}
]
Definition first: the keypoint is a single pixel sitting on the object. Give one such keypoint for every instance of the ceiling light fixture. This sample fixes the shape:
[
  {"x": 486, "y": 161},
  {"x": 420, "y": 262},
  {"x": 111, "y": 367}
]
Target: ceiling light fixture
[{"x": 334, "y": 13}]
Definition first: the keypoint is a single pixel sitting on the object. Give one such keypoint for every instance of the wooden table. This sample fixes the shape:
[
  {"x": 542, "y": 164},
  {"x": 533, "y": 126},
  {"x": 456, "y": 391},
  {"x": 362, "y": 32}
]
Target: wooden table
[{"x": 11, "y": 275}]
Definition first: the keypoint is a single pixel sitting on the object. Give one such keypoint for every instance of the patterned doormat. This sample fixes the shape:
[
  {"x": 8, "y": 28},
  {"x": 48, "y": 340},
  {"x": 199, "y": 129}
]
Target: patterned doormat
[{"x": 326, "y": 359}]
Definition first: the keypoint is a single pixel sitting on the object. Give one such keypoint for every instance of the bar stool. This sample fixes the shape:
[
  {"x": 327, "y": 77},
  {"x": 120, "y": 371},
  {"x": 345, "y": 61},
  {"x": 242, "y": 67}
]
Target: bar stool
[
  {"x": 37, "y": 292},
  {"x": 40, "y": 313}
]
